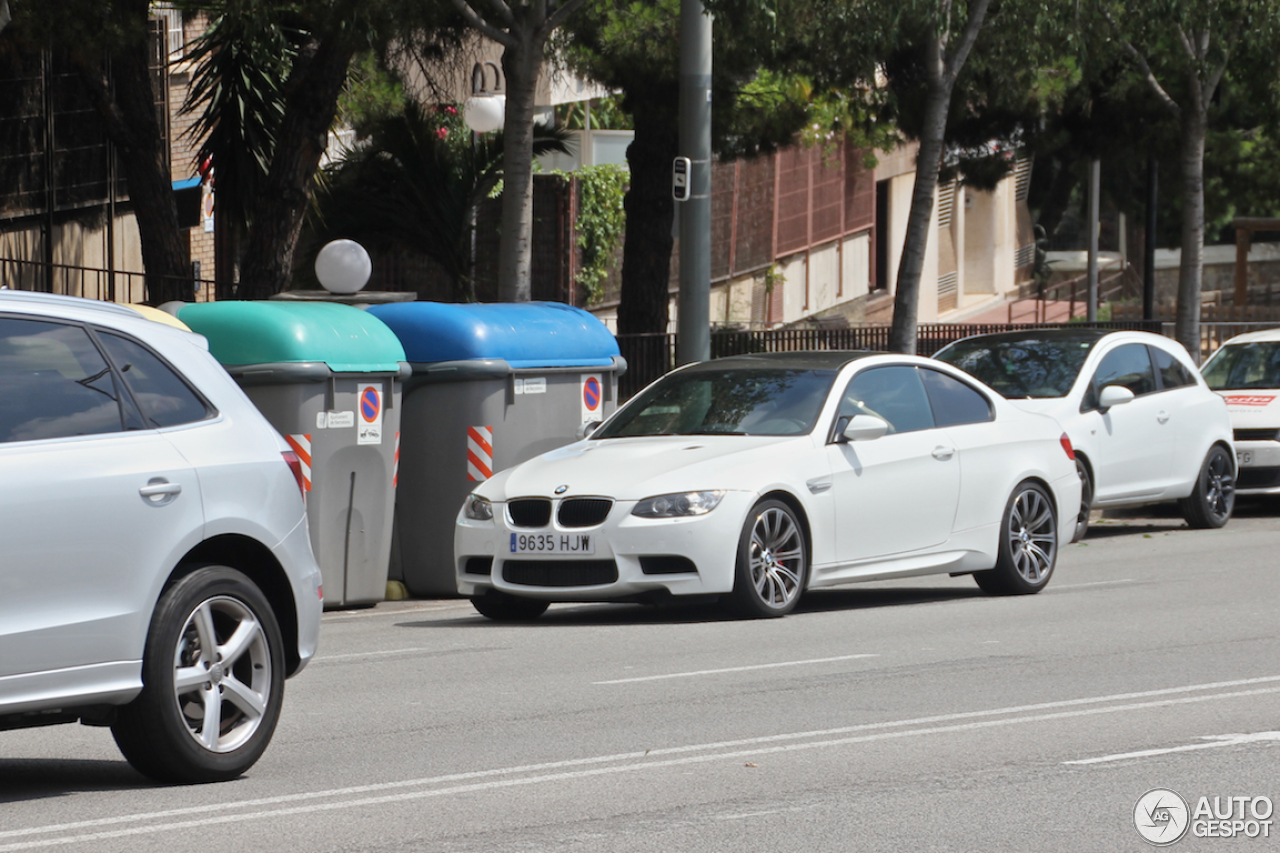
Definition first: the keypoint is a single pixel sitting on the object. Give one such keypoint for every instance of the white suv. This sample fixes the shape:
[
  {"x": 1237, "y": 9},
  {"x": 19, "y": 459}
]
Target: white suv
[{"x": 156, "y": 574}]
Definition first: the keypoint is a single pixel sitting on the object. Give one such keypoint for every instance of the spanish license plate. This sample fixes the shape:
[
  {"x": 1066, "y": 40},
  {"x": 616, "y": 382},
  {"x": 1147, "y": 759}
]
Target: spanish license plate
[
  {"x": 553, "y": 543},
  {"x": 1244, "y": 457}
]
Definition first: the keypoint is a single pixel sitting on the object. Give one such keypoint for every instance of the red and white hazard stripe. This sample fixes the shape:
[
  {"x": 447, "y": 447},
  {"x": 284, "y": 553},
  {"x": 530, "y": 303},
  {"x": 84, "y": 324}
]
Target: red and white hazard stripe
[
  {"x": 395, "y": 465},
  {"x": 479, "y": 452},
  {"x": 301, "y": 445}
]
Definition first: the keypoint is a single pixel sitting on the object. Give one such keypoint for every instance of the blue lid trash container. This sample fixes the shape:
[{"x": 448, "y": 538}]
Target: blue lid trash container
[
  {"x": 492, "y": 385},
  {"x": 328, "y": 377}
]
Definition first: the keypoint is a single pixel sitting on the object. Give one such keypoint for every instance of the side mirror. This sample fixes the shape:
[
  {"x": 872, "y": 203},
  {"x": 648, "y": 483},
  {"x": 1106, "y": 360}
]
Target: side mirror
[
  {"x": 1114, "y": 395},
  {"x": 585, "y": 429},
  {"x": 864, "y": 428}
]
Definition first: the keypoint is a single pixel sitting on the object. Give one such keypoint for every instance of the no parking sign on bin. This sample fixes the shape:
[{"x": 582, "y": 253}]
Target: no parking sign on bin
[
  {"x": 327, "y": 376},
  {"x": 492, "y": 386}
]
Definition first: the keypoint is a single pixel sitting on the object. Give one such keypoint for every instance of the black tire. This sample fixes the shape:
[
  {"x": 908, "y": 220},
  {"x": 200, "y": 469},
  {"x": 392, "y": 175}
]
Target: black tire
[
  {"x": 1028, "y": 544},
  {"x": 501, "y": 607},
  {"x": 1086, "y": 501},
  {"x": 772, "y": 565},
  {"x": 1212, "y": 501},
  {"x": 161, "y": 732}
]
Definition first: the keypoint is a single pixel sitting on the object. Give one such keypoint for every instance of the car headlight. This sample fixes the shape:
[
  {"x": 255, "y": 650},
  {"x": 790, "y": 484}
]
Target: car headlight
[
  {"x": 477, "y": 508},
  {"x": 678, "y": 505}
]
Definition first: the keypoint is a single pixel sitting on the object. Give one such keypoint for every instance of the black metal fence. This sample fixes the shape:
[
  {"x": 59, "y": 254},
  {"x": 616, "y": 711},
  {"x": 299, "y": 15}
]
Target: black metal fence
[{"x": 650, "y": 356}]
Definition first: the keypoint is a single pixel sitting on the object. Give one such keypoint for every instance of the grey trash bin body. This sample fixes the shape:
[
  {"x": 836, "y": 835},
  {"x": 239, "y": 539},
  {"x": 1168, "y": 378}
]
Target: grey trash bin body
[
  {"x": 492, "y": 385},
  {"x": 328, "y": 377}
]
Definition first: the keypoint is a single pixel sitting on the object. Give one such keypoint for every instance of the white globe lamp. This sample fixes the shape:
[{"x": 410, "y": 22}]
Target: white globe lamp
[
  {"x": 343, "y": 266},
  {"x": 485, "y": 113}
]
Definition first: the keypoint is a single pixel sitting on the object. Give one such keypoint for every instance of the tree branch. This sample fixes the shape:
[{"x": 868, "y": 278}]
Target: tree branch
[
  {"x": 557, "y": 17},
  {"x": 1144, "y": 67},
  {"x": 482, "y": 26},
  {"x": 956, "y": 61}
]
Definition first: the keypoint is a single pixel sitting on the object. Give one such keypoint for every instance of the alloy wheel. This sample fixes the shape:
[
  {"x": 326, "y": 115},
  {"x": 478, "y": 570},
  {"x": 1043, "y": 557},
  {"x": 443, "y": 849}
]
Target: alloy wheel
[{"x": 1033, "y": 539}]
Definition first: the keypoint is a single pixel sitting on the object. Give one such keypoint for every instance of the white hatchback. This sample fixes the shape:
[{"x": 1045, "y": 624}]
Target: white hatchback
[
  {"x": 157, "y": 575},
  {"x": 1246, "y": 372},
  {"x": 1145, "y": 426},
  {"x": 759, "y": 477}
]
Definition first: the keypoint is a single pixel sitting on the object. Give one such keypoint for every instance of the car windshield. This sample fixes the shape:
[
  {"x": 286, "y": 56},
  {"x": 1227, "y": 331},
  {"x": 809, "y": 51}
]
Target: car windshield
[
  {"x": 734, "y": 401},
  {"x": 1027, "y": 367},
  {"x": 1240, "y": 366}
]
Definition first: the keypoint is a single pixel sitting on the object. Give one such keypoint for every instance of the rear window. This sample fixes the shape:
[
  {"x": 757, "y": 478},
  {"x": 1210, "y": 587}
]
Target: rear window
[{"x": 165, "y": 399}]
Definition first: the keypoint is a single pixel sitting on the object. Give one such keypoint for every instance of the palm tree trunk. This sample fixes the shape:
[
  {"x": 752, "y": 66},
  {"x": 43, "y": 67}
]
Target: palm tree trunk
[
  {"x": 520, "y": 66},
  {"x": 311, "y": 99},
  {"x": 129, "y": 116},
  {"x": 1191, "y": 268},
  {"x": 650, "y": 210},
  {"x": 906, "y": 297}
]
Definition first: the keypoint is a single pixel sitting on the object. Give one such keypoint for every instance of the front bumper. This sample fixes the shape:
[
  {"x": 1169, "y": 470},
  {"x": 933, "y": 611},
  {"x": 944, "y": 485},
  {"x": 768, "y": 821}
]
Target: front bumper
[
  {"x": 632, "y": 557},
  {"x": 1257, "y": 467}
]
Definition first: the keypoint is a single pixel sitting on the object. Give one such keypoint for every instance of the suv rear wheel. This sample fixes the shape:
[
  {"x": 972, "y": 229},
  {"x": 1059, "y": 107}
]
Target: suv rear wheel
[{"x": 213, "y": 681}]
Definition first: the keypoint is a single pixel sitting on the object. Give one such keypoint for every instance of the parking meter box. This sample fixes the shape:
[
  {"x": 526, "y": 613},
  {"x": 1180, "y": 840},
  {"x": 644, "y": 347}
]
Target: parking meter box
[
  {"x": 328, "y": 377},
  {"x": 492, "y": 385}
]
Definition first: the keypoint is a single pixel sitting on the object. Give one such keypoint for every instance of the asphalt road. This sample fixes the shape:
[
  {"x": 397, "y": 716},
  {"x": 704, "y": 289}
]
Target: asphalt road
[{"x": 911, "y": 716}]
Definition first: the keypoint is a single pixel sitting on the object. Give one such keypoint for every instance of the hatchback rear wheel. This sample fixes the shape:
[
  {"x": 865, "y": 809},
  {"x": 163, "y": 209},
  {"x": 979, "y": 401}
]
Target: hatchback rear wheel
[{"x": 1210, "y": 504}]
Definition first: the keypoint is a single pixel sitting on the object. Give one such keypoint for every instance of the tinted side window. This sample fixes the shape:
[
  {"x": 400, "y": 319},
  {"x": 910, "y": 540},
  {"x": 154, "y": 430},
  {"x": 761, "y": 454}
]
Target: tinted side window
[
  {"x": 895, "y": 394},
  {"x": 1173, "y": 373},
  {"x": 953, "y": 401},
  {"x": 1129, "y": 366},
  {"x": 54, "y": 383},
  {"x": 165, "y": 399}
]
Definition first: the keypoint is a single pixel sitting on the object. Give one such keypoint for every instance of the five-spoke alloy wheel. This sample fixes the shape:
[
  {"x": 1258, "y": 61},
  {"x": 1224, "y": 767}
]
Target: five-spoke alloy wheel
[{"x": 213, "y": 681}]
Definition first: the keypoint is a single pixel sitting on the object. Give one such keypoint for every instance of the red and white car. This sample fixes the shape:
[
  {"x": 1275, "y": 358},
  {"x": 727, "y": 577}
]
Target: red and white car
[{"x": 1246, "y": 372}]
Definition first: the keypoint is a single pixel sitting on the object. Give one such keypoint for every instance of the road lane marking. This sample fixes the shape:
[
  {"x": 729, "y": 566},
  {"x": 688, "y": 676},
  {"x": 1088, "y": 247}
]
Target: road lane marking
[
  {"x": 732, "y": 669},
  {"x": 327, "y": 658},
  {"x": 483, "y": 780},
  {"x": 1211, "y": 742}
]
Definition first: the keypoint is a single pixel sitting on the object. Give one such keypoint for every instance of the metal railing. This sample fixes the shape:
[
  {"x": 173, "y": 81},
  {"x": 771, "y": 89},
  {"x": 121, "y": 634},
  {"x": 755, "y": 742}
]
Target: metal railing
[
  {"x": 650, "y": 356},
  {"x": 1036, "y": 307},
  {"x": 88, "y": 282}
]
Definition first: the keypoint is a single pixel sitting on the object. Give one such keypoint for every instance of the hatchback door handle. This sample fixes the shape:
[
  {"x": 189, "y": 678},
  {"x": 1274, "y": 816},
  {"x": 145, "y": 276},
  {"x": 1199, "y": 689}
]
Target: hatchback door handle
[
  {"x": 944, "y": 453},
  {"x": 1163, "y": 417}
]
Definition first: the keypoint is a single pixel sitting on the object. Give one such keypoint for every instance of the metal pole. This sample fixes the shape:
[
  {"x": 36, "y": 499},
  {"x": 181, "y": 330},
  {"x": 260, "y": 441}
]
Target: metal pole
[
  {"x": 1095, "y": 185},
  {"x": 693, "y": 323},
  {"x": 1149, "y": 250}
]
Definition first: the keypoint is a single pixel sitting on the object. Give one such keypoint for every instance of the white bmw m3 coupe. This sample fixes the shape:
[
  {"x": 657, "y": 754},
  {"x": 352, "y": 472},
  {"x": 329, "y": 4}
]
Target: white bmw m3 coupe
[{"x": 756, "y": 477}]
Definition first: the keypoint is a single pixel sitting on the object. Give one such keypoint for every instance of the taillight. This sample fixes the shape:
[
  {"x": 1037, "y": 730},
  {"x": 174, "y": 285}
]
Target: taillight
[
  {"x": 1066, "y": 446},
  {"x": 295, "y": 465}
]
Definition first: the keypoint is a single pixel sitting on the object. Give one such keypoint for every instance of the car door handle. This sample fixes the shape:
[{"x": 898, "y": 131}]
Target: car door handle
[
  {"x": 943, "y": 453},
  {"x": 1162, "y": 417},
  {"x": 160, "y": 491}
]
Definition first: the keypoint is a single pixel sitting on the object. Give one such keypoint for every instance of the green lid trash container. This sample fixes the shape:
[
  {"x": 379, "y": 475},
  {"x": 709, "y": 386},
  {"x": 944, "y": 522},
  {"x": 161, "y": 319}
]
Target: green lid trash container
[
  {"x": 328, "y": 377},
  {"x": 492, "y": 386}
]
